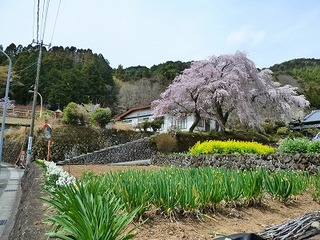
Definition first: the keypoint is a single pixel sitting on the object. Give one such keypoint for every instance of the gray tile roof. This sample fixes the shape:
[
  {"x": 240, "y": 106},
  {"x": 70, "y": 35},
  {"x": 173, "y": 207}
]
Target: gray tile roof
[{"x": 314, "y": 116}]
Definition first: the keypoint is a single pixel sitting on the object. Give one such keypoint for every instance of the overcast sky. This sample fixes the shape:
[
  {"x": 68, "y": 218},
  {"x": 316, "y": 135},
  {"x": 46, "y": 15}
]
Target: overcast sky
[{"x": 149, "y": 32}]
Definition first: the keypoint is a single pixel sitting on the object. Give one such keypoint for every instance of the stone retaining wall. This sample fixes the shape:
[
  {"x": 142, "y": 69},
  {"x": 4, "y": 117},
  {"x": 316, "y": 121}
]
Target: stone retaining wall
[
  {"x": 305, "y": 162},
  {"x": 131, "y": 151},
  {"x": 145, "y": 149}
]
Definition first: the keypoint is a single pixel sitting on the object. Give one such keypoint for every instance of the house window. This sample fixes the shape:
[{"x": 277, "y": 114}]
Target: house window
[
  {"x": 181, "y": 123},
  {"x": 143, "y": 120},
  {"x": 129, "y": 121}
]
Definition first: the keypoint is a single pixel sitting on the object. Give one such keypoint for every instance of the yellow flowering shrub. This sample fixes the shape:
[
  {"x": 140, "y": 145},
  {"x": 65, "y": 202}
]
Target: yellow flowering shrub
[{"x": 230, "y": 147}]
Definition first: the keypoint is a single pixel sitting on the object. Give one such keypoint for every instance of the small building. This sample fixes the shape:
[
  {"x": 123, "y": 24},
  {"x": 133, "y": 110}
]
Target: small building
[
  {"x": 137, "y": 115},
  {"x": 58, "y": 113},
  {"x": 312, "y": 120}
]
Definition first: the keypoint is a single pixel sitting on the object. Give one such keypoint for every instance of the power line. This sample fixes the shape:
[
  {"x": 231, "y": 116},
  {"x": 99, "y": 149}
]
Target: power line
[
  {"x": 55, "y": 22},
  {"x": 27, "y": 67},
  {"x": 41, "y": 17},
  {"x": 38, "y": 17},
  {"x": 44, "y": 17},
  {"x": 34, "y": 19}
]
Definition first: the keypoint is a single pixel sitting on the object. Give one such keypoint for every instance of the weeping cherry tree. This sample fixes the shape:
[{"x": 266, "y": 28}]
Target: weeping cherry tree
[{"x": 228, "y": 84}]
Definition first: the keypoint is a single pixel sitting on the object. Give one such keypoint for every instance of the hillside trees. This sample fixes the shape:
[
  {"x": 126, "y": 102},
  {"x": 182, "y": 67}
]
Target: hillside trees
[
  {"x": 228, "y": 85},
  {"x": 140, "y": 85},
  {"x": 141, "y": 92},
  {"x": 132, "y": 74},
  {"x": 78, "y": 75},
  {"x": 166, "y": 72},
  {"x": 24, "y": 67},
  {"x": 306, "y": 73},
  {"x": 66, "y": 74},
  {"x": 312, "y": 93}
]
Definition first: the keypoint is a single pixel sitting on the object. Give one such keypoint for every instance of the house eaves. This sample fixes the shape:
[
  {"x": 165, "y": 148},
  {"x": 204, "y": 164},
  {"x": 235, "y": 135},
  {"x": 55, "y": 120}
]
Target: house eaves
[{"x": 123, "y": 115}]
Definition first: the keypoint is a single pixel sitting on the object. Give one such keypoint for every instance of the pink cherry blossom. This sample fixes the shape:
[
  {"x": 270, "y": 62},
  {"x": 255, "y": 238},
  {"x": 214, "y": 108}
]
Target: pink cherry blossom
[{"x": 228, "y": 86}]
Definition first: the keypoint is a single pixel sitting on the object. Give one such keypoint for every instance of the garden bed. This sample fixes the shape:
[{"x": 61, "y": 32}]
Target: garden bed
[{"x": 226, "y": 220}]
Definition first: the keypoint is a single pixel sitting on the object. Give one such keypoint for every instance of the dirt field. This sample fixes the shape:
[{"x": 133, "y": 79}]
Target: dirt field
[{"x": 225, "y": 221}]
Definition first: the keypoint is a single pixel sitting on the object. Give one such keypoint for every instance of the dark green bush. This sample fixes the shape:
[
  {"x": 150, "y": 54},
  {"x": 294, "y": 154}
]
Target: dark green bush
[
  {"x": 145, "y": 125},
  {"x": 156, "y": 124},
  {"x": 272, "y": 127},
  {"x": 73, "y": 115},
  {"x": 294, "y": 145},
  {"x": 100, "y": 116},
  {"x": 295, "y": 134},
  {"x": 279, "y": 124},
  {"x": 268, "y": 128},
  {"x": 282, "y": 131},
  {"x": 314, "y": 147}
]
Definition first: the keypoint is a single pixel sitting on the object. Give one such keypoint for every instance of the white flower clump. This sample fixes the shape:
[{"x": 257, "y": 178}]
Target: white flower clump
[{"x": 63, "y": 177}]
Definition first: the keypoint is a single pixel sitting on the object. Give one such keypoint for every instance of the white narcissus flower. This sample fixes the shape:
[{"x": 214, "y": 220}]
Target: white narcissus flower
[{"x": 63, "y": 177}]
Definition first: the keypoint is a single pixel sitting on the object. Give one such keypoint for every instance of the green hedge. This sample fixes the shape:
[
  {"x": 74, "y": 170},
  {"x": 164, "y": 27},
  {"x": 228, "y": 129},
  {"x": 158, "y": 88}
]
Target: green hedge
[{"x": 299, "y": 145}]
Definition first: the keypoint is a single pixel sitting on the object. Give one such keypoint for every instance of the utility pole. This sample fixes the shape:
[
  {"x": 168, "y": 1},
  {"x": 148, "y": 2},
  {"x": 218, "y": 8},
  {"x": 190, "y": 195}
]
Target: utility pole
[
  {"x": 4, "y": 112},
  {"x": 35, "y": 93}
]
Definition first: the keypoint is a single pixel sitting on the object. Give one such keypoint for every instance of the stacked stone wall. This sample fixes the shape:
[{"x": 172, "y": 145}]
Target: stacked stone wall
[
  {"x": 145, "y": 149},
  {"x": 305, "y": 162},
  {"x": 136, "y": 150}
]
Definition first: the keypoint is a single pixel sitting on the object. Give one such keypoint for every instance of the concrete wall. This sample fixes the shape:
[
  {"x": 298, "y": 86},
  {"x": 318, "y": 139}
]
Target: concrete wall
[
  {"x": 135, "y": 150},
  {"x": 305, "y": 162}
]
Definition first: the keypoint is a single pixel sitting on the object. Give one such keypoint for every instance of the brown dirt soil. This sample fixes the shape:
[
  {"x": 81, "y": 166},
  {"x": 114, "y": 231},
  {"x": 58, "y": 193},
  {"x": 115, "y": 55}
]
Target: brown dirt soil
[
  {"x": 32, "y": 212},
  {"x": 225, "y": 221}
]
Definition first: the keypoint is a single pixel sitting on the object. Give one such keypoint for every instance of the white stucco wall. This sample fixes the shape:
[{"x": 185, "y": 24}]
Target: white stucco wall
[
  {"x": 170, "y": 123},
  {"x": 137, "y": 117}
]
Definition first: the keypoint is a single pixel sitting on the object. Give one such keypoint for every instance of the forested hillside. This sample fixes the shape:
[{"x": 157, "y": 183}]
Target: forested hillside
[
  {"x": 67, "y": 74},
  {"x": 302, "y": 73},
  {"x": 140, "y": 85},
  {"x": 79, "y": 75}
]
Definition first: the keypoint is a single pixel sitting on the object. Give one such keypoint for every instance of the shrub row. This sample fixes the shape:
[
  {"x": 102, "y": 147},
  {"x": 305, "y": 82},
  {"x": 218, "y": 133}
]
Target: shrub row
[
  {"x": 75, "y": 114},
  {"x": 299, "y": 145}
]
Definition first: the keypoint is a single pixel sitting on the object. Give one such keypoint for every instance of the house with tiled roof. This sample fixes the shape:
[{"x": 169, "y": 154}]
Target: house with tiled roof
[
  {"x": 312, "y": 120},
  {"x": 137, "y": 115}
]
